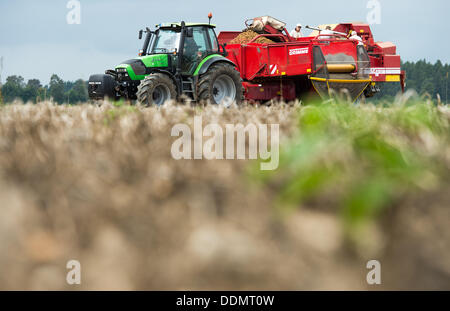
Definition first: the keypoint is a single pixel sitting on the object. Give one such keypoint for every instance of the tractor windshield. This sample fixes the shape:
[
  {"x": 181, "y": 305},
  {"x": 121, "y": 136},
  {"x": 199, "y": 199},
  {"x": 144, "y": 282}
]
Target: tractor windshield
[{"x": 166, "y": 41}]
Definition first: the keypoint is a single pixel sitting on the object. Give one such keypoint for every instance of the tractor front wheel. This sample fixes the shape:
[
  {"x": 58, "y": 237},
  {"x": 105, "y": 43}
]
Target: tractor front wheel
[
  {"x": 221, "y": 85},
  {"x": 156, "y": 89}
]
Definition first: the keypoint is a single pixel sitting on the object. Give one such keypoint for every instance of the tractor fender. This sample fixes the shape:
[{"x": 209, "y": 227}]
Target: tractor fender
[{"x": 204, "y": 66}]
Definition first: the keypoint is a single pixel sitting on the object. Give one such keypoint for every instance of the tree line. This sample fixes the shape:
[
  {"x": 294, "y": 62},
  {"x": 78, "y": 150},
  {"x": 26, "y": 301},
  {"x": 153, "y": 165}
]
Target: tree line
[
  {"x": 421, "y": 76},
  {"x": 62, "y": 92}
]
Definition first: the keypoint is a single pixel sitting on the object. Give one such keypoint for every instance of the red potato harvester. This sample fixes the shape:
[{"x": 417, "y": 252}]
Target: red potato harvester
[{"x": 290, "y": 68}]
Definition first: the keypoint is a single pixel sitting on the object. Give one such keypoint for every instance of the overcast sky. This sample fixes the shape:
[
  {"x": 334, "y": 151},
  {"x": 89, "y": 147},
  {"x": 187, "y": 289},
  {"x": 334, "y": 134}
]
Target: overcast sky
[{"x": 36, "y": 40}]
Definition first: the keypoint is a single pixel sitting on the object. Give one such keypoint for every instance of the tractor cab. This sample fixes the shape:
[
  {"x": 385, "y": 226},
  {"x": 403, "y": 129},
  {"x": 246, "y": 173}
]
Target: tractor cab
[{"x": 199, "y": 41}]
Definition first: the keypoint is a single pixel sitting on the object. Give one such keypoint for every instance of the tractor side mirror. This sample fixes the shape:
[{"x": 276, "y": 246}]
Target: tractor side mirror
[
  {"x": 140, "y": 34},
  {"x": 189, "y": 32}
]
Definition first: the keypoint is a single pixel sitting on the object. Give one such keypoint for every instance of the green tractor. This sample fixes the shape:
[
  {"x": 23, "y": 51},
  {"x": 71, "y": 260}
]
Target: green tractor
[{"x": 176, "y": 59}]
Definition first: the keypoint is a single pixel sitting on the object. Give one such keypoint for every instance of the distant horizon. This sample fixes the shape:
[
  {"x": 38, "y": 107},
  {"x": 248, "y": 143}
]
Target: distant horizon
[{"x": 47, "y": 82}]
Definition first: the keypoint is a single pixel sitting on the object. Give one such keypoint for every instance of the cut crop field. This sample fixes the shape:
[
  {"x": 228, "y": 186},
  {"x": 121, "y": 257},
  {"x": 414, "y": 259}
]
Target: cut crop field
[{"x": 98, "y": 184}]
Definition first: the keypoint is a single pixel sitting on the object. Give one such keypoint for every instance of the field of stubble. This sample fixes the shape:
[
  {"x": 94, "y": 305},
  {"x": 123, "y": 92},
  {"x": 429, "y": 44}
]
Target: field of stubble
[{"x": 99, "y": 185}]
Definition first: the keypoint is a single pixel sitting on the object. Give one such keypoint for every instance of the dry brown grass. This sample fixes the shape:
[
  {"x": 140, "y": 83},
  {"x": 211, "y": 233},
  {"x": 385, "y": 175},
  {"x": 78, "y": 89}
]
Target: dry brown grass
[{"x": 98, "y": 184}]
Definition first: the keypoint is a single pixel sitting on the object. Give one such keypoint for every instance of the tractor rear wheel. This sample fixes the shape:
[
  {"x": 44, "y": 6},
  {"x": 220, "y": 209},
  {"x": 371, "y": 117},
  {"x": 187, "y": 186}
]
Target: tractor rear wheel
[
  {"x": 156, "y": 89},
  {"x": 221, "y": 85}
]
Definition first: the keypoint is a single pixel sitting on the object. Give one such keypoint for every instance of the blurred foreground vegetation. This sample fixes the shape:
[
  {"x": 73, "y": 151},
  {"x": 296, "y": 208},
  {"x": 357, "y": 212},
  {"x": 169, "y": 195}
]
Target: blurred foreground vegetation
[
  {"x": 362, "y": 160},
  {"x": 98, "y": 183}
]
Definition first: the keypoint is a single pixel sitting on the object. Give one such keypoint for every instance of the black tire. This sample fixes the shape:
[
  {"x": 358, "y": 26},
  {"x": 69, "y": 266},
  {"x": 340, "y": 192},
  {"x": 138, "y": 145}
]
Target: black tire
[
  {"x": 156, "y": 89},
  {"x": 227, "y": 77}
]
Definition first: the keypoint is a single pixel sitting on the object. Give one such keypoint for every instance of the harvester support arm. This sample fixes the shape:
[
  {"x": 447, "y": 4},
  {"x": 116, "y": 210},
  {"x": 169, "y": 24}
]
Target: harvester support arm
[{"x": 334, "y": 32}]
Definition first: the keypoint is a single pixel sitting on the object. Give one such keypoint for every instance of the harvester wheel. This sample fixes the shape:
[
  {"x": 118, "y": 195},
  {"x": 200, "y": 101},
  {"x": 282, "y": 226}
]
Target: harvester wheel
[
  {"x": 221, "y": 84},
  {"x": 156, "y": 89}
]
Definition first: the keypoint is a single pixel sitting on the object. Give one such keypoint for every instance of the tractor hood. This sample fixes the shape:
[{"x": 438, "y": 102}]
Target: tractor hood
[{"x": 139, "y": 67}]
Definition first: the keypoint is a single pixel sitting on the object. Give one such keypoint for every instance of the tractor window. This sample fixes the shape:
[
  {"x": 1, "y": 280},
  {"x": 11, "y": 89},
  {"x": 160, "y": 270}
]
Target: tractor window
[
  {"x": 201, "y": 39},
  {"x": 166, "y": 41},
  {"x": 195, "y": 49},
  {"x": 213, "y": 39}
]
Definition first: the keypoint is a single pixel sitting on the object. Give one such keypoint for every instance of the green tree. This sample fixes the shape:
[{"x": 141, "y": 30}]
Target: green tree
[
  {"x": 428, "y": 87},
  {"x": 31, "y": 91},
  {"x": 68, "y": 85},
  {"x": 78, "y": 93},
  {"x": 13, "y": 88},
  {"x": 56, "y": 89}
]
